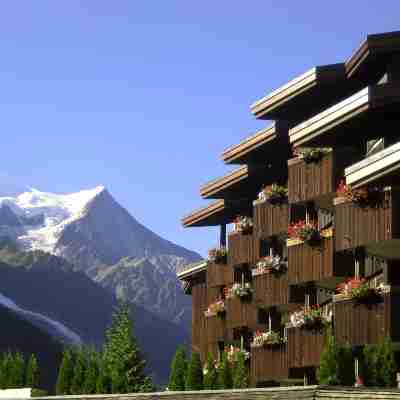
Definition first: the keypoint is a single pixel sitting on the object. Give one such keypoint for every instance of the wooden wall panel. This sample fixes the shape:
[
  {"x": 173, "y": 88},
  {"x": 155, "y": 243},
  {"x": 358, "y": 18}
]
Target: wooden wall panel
[
  {"x": 241, "y": 313},
  {"x": 243, "y": 249},
  {"x": 219, "y": 275},
  {"x": 304, "y": 347},
  {"x": 360, "y": 324},
  {"x": 270, "y": 219},
  {"x": 199, "y": 305},
  {"x": 358, "y": 226},
  {"x": 268, "y": 363},
  {"x": 271, "y": 289}
]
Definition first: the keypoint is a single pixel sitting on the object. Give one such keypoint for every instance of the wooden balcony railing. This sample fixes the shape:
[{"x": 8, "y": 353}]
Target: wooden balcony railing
[
  {"x": 359, "y": 324},
  {"x": 315, "y": 263},
  {"x": 219, "y": 275},
  {"x": 271, "y": 289},
  {"x": 268, "y": 364},
  {"x": 270, "y": 219},
  {"x": 199, "y": 305},
  {"x": 241, "y": 313},
  {"x": 359, "y": 226},
  {"x": 216, "y": 329},
  {"x": 304, "y": 347},
  {"x": 243, "y": 249}
]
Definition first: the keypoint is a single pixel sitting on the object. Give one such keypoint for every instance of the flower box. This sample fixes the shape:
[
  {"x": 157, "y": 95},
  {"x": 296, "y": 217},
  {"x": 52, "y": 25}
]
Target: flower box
[
  {"x": 363, "y": 197},
  {"x": 243, "y": 224},
  {"x": 310, "y": 318},
  {"x": 269, "y": 264},
  {"x": 218, "y": 255},
  {"x": 273, "y": 194},
  {"x": 267, "y": 339},
  {"x": 311, "y": 155},
  {"x": 233, "y": 352},
  {"x": 360, "y": 291},
  {"x": 241, "y": 290},
  {"x": 215, "y": 309},
  {"x": 306, "y": 232}
]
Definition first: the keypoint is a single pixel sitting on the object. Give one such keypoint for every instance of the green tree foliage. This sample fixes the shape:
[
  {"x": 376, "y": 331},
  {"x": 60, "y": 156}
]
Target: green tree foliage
[
  {"x": 369, "y": 365},
  {"x": 178, "y": 370},
  {"x": 224, "y": 380},
  {"x": 91, "y": 372},
  {"x": 194, "y": 376},
  {"x": 123, "y": 362},
  {"x": 345, "y": 366},
  {"x": 240, "y": 373},
  {"x": 389, "y": 367},
  {"x": 78, "y": 377},
  {"x": 32, "y": 373},
  {"x": 210, "y": 376},
  {"x": 327, "y": 372},
  {"x": 103, "y": 384},
  {"x": 65, "y": 374},
  {"x": 17, "y": 371}
]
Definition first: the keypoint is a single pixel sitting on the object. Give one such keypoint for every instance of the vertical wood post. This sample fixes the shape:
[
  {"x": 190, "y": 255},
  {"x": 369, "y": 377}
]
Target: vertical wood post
[{"x": 222, "y": 236}]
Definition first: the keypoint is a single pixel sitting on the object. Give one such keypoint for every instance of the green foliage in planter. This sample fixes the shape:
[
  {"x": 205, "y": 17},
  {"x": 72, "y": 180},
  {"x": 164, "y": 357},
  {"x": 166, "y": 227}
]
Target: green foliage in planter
[
  {"x": 194, "y": 376},
  {"x": 240, "y": 373},
  {"x": 210, "y": 375},
  {"x": 178, "y": 370}
]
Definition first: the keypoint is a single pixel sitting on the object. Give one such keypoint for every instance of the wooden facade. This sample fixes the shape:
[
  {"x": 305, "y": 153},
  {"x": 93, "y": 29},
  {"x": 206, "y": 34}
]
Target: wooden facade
[
  {"x": 317, "y": 262},
  {"x": 200, "y": 303},
  {"x": 304, "y": 347},
  {"x": 219, "y": 275},
  {"x": 361, "y": 225},
  {"x": 271, "y": 289},
  {"x": 269, "y": 364},
  {"x": 270, "y": 220},
  {"x": 243, "y": 248},
  {"x": 241, "y": 313}
]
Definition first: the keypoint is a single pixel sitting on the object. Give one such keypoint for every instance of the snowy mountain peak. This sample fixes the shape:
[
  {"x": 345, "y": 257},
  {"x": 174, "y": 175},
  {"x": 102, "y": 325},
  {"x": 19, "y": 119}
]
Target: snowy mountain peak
[{"x": 55, "y": 212}]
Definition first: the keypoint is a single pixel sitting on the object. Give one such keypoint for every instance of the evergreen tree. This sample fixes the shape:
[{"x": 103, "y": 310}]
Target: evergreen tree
[
  {"x": 210, "y": 376},
  {"x": 7, "y": 365},
  {"x": 103, "y": 384},
  {"x": 79, "y": 372},
  {"x": 65, "y": 374},
  {"x": 178, "y": 370},
  {"x": 123, "y": 361},
  {"x": 345, "y": 366},
  {"x": 370, "y": 372},
  {"x": 388, "y": 370},
  {"x": 327, "y": 372},
  {"x": 2, "y": 371},
  {"x": 194, "y": 377},
  {"x": 92, "y": 372},
  {"x": 32, "y": 373},
  {"x": 240, "y": 373},
  {"x": 17, "y": 371},
  {"x": 224, "y": 380}
]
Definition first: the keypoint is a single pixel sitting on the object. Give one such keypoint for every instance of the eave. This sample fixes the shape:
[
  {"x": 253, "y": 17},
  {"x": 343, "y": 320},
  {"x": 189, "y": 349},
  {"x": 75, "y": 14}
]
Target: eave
[
  {"x": 292, "y": 101},
  {"x": 219, "y": 212},
  {"x": 242, "y": 183},
  {"x": 269, "y": 145},
  {"x": 365, "y": 115},
  {"x": 369, "y": 62},
  {"x": 192, "y": 269},
  {"x": 381, "y": 167}
]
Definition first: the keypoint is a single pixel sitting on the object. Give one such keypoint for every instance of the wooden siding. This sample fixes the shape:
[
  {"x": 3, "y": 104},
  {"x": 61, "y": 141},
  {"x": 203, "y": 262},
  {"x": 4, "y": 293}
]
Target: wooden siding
[
  {"x": 216, "y": 329},
  {"x": 304, "y": 347},
  {"x": 314, "y": 263},
  {"x": 219, "y": 275},
  {"x": 359, "y": 324},
  {"x": 199, "y": 305},
  {"x": 243, "y": 249},
  {"x": 270, "y": 219},
  {"x": 241, "y": 313},
  {"x": 271, "y": 289},
  {"x": 358, "y": 226},
  {"x": 268, "y": 363},
  {"x": 308, "y": 181}
]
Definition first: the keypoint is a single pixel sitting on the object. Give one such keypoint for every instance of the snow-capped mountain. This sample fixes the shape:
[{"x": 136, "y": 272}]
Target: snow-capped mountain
[{"x": 98, "y": 236}]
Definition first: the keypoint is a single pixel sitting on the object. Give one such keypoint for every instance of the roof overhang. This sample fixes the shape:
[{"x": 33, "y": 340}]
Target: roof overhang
[
  {"x": 242, "y": 183},
  {"x": 365, "y": 115},
  {"x": 292, "y": 101},
  {"x": 219, "y": 212},
  {"x": 269, "y": 145},
  {"x": 191, "y": 269},
  {"x": 379, "y": 167},
  {"x": 369, "y": 62}
]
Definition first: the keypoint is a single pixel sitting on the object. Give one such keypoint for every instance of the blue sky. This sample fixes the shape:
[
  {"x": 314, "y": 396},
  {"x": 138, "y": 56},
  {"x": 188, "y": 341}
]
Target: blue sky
[{"x": 144, "y": 96}]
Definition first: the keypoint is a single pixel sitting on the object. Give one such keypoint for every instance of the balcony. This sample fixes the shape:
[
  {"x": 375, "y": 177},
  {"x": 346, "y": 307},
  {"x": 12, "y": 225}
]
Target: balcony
[
  {"x": 199, "y": 305},
  {"x": 375, "y": 226},
  {"x": 242, "y": 248},
  {"x": 269, "y": 364},
  {"x": 359, "y": 324},
  {"x": 317, "y": 262},
  {"x": 241, "y": 313},
  {"x": 271, "y": 289},
  {"x": 269, "y": 219},
  {"x": 219, "y": 275},
  {"x": 304, "y": 347},
  {"x": 360, "y": 117}
]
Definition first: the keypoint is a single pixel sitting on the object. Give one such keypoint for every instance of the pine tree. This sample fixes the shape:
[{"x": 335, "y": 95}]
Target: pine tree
[
  {"x": 389, "y": 368},
  {"x": 123, "y": 361},
  {"x": 224, "y": 380},
  {"x": 65, "y": 374},
  {"x": 178, "y": 370},
  {"x": 92, "y": 372},
  {"x": 210, "y": 375},
  {"x": 7, "y": 368},
  {"x": 79, "y": 372},
  {"x": 327, "y": 372},
  {"x": 2, "y": 371},
  {"x": 194, "y": 377},
  {"x": 370, "y": 372},
  {"x": 32, "y": 373},
  {"x": 103, "y": 384},
  {"x": 240, "y": 373},
  {"x": 17, "y": 371},
  {"x": 345, "y": 366}
]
